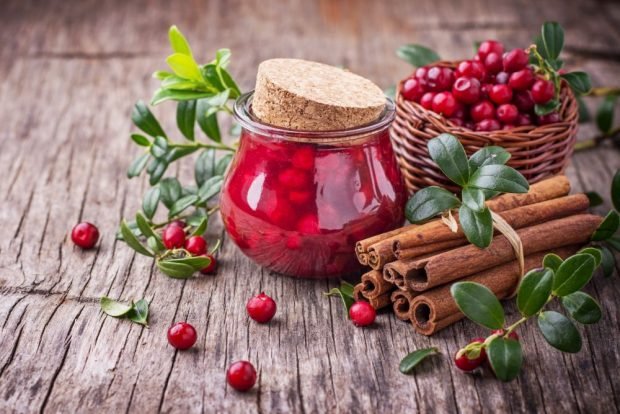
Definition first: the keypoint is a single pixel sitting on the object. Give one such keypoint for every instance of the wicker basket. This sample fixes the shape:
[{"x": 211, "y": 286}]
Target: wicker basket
[{"x": 537, "y": 152}]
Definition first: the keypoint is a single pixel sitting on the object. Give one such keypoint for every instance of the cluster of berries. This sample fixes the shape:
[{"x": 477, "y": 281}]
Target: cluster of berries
[
  {"x": 493, "y": 91},
  {"x": 468, "y": 362},
  {"x": 174, "y": 237}
]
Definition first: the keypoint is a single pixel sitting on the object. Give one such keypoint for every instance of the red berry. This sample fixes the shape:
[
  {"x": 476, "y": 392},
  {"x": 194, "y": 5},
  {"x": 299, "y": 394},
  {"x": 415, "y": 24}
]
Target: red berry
[
  {"x": 212, "y": 266},
  {"x": 261, "y": 308},
  {"x": 427, "y": 100},
  {"x": 523, "y": 100},
  {"x": 482, "y": 110},
  {"x": 439, "y": 79},
  {"x": 515, "y": 60},
  {"x": 173, "y": 237},
  {"x": 466, "y": 364},
  {"x": 196, "y": 245},
  {"x": 241, "y": 375},
  {"x": 420, "y": 73},
  {"x": 487, "y": 125},
  {"x": 178, "y": 223},
  {"x": 471, "y": 68},
  {"x": 502, "y": 78},
  {"x": 543, "y": 91},
  {"x": 521, "y": 80},
  {"x": 362, "y": 313},
  {"x": 444, "y": 103},
  {"x": 490, "y": 46},
  {"x": 85, "y": 235},
  {"x": 507, "y": 113},
  {"x": 524, "y": 119},
  {"x": 466, "y": 90},
  {"x": 456, "y": 121},
  {"x": 412, "y": 89},
  {"x": 511, "y": 335},
  {"x": 304, "y": 158},
  {"x": 500, "y": 94},
  {"x": 551, "y": 118},
  {"x": 493, "y": 63},
  {"x": 459, "y": 112},
  {"x": 182, "y": 335},
  {"x": 293, "y": 178},
  {"x": 308, "y": 224}
]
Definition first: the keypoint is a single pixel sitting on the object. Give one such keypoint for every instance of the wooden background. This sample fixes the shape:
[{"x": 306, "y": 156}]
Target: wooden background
[{"x": 70, "y": 72}]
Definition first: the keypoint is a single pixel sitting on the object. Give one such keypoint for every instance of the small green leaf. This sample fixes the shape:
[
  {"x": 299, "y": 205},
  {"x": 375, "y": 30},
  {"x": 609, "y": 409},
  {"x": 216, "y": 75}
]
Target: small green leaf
[
  {"x": 544, "y": 109},
  {"x": 186, "y": 114},
  {"x": 181, "y": 204},
  {"x": 491, "y": 155},
  {"x": 559, "y": 331},
  {"x": 113, "y": 308},
  {"x": 144, "y": 119},
  {"x": 161, "y": 74},
  {"x": 605, "y": 114},
  {"x": 417, "y": 55},
  {"x": 615, "y": 190},
  {"x": 207, "y": 120},
  {"x": 222, "y": 164},
  {"x": 408, "y": 363},
  {"x": 608, "y": 227},
  {"x": 140, "y": 312},
  {"x": 595, "y": 253},
  {"x": 177, "y": 153},
  {"x": 141, "y": 140},
  {"x": 132, "y": 241},
  {"x": 210, "y": 188},
  {"x": 176, "y": 270},
  {"x": 229, "y": 81},
  {"x": 178, "y": 42},
  {"x": 162, "y": 95},
  {"x": 184, "y": 66},
  {"x": 170, "y": 190},
  {"x": 573, "y": 274},
  {"x": 205, "y": 166},
  {"x": 608, "y": 263},
  {"x": 534, "y": 291},
  {"x": 196, "y": 262},
  {"x": 499, "y": 178},
  {"x": 150, "y": 202},
  {"x": 479, "y": 304},
  {"x": 155, "y": 244},
  {"x": 614, "y": 243},
  {"x": 159, "y": 149},
  {"x": 148, "y": 232},
  {"x": 199, "y": 231},
  {"x": 345, "y": 292},
  {"x": 180, "y": 84},
  {"x": 552, "y": 36},
  {"x": 477, "y": 226},
  {"x": 428, "y": 202},
  {"x": 449, "y": 154},
  {"x": 505, "y": 357},
  {"x": 158, "y": 169},
  {"x": 196, "y": 217},
  {"x": 137, "y": 165},
  {"x": 595, "y": 198},
  {"x": 579, "y": 82},
  {"x": 582, "y": 307},
  {"x": 473, "y": 198},
  {"x": 552, "y": 261}
]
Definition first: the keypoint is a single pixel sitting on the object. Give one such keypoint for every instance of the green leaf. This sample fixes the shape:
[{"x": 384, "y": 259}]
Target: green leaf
[
  {"x": 208, "y": 120},
  {"x": 544, "y": 109},
  {"x": 417, "y": 55},
  {"x": 552, "y": 261},
  {"x": 499, "y": 178},
  {"x": 408, "y": 363},
  {"x": 195, "y": 219},
  {"x": 178, "y": 42},
  {"x": 584, "y": 112},
  {"x": 449, "y": 154},
  {"x": 605, "y": 114},
  {"x": 477, "y": 226},
  {"x": 579, "y": 82},
  {"x": 144, "y": 119},
  {"x": 181, "y": 84},
  {"x": 186, "y": 114},
  {"x": 473, "y": 198},
  {"x": 155, "y": 244},
  {"x": 159, "y": 149},
  {"x": 205, "y": 166},
  {"x": 229, "y": 81},
  {"x": 132, "y": 241},
  {"x": 159, "y": 167},
  {"x": 595, "y": 253},
  {"x": 222, "y": 164},
  {"x": 181, "y": 204},
  {"x": 614, "y": 243},
  {"x": 150, "y": 202},
  {"x": 171, "y": 191},
  {"x": 210, "y": 188},
  {"x": 573, "y": 274},
  {"x": 184, "y": 66},
  {"x": 582, "y": 307},
  {"x": 559, "y": 331},
  {"x": 552, "y": 36},
  {"x": 200, "y": 229},
  {"x": 161, "y": 74},
  {"x": 479, "y": 304},
  {"x": 177, "y": 153},
  {"x": 534, "y": 291},
  {"x": 196, "y": 262},
  {"x": 137, "y": 165},
  {"x": 428, "y": 202},
  {"x": 162, "y": 95},
  {"x": 141, "y": 140},
  {"x": 505, "y": 357},
  {"x": 113, "y": 308},
  {"x": 608, "y": 263},
  {"x": 491, "y": 155},
  {"x": 595, "y": 198},
  {"x": 133, "y": 227},
  {"x": 140, "y": 312},
  {"x": 148, "y": 232},
  {"x": 615, "y": 190},
  {"x": 608, "y": 227},
  {"x": 175, "y": 270},
  {"x": 345, "y": 292}
]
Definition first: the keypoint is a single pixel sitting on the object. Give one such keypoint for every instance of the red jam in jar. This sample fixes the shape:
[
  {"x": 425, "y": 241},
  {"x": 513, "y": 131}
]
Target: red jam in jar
[{"x": 297, "y": 201}]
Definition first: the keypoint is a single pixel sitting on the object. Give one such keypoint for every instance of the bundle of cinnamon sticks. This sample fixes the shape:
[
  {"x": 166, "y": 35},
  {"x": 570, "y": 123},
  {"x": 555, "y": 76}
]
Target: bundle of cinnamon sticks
[{"x": 413, "y": 267}]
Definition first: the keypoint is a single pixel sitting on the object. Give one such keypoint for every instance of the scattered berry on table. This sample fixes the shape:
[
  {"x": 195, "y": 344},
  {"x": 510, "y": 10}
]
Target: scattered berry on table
[
  {"x": 261, "y": 308},
  {"x": 241, "y": 375},
  {"x": 85, "y": 235},
  {"x": 173, "y": 237},
  {"x": 182, "y": 335},
  {"x": 362, "y": 313},
  {"x": 196, "y": 245},
  {"x": 212, "y": 266},
  {"x": 464, "y": 363}
]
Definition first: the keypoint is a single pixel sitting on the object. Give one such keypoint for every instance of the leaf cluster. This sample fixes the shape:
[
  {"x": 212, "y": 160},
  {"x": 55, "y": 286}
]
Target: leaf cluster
[
  {"x": 137, "y": 312},
  {"x": 345, "y": 292}
]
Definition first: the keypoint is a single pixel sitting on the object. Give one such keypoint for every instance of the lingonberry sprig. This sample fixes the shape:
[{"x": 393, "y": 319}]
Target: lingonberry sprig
[
  {"x": 201, "y": 93},
  {"x": 480, "y": 177},
  {"x": 557, "y": 279},
  {"x": 137, "y": 312}
]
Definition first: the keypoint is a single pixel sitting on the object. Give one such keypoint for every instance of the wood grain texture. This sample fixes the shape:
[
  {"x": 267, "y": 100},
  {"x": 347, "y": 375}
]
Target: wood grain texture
[{"x": 70, "y": 72}]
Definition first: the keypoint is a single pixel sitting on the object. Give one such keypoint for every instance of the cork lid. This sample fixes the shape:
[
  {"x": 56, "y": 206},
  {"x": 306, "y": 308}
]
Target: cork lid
[{"x": 303, "y": 95}]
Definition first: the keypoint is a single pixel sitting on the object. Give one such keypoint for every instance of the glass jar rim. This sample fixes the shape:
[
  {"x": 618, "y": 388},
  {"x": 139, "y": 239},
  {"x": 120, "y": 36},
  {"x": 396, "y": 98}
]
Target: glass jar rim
[{"x": 244, "y": 116}]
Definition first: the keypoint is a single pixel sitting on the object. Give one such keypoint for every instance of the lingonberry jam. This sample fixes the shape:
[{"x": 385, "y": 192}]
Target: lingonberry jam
[{"x": 296, "y": 202}]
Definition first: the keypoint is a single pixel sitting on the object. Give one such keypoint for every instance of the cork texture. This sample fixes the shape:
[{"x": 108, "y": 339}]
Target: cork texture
[{"x": 303, "y": 95}]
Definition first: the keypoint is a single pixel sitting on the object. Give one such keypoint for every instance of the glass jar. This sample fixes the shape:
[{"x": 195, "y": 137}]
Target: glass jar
[{"x": 297, "y": 201}]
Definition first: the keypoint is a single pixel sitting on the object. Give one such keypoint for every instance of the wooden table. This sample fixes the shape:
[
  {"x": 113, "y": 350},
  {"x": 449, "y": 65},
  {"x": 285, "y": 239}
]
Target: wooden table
[{"x": 70, "y": 72}]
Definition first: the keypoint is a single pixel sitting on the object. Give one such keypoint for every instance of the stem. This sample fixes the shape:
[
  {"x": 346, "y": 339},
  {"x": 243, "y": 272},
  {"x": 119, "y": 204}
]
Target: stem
[
  {"x": 222, "y": 147},
  {"x": 604, "y": 91},
  {"x": 514, "y": 325}
]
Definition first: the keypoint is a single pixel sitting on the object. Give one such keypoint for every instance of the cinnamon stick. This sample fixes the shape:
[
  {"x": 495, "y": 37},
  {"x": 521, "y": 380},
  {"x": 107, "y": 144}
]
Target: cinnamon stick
[
  {"x": 401, "y": 302},
  {"x": 435, "y": 309},
  {"x": 374, "y": 285},
  {"x": 378, "y": 302},
  {"x": 381, "y": 252},
  {"x": 423, "y": 274}
]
